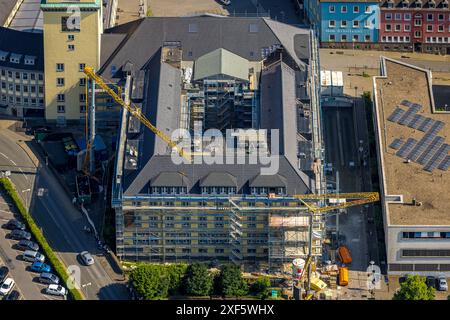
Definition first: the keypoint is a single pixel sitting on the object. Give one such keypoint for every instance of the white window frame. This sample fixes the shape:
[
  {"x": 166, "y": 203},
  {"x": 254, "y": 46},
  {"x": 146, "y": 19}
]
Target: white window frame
[
  {"x": 342, "y": 36},
  {"x": 407, "y": 27},
  {"x": 355, "y": 9},
  {"x": 332, "y": 23},
  {"x": 407, "y": 17},
  {"x": 428, "y": 28},
  {"x": 344, "y": 9},
  {"x": 331, "y": 9},
  {"x": 441, "y": 26},
  {"x": 367, "y": 9},
  {"x": 398, "y": 16},
  {"x": 357, "y": 24},
  {"x": 331, "y": 35},
  {"x": 346, "y": 24},
  {"x": 386, "y": 27},
  {"x": 388, "y": 16}
]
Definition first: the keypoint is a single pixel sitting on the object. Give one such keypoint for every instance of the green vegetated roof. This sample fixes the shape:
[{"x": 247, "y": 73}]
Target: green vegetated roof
[
  {"x": 59, "y": 5},
  {"x": 221, "y": 61}
]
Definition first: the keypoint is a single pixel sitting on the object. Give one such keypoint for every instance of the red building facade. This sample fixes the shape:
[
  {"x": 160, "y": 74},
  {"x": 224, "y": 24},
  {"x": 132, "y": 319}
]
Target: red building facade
[{"x": 419, "y": 25}]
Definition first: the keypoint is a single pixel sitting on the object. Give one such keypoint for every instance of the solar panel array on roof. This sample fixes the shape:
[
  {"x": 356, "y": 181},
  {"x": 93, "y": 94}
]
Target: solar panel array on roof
[
  {"x": 398, "y": 112},
  {"x": 406, "y": 103},
  {"x": 426, "y": 124},
  {"x": 430, "y": 151},
  {"x": 396, "y": 144},
  {"x": 406, "y": 148},
  {"x": 445, "y": 164},
  {"x": 420, "y": 147},
  {"x": 436, "y": 127},
  {"x": 437, "y": 158},
  {"x": 408, "y": 116},
  {"x": 416, "y": 121}
]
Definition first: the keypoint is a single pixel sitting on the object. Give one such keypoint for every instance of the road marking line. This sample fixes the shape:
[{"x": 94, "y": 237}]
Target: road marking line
[
  {"x": 13, "y": 162},
  {"x": 4, "y": 155}
]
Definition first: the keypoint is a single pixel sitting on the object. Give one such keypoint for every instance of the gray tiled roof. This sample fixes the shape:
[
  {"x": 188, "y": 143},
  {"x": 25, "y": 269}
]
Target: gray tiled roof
[
  {"x": 24, "y": 44},
  {"x": 169, "y": 179},
  {"x": 274, "y": 181},
  {"x": 137, "y": 182},
  {"x": 144, "y": 38},
  {"x": 218, "y": 179}
]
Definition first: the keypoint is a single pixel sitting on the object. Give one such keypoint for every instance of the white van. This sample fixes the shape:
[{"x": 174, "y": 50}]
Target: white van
[{"x": 32, "y": 256}]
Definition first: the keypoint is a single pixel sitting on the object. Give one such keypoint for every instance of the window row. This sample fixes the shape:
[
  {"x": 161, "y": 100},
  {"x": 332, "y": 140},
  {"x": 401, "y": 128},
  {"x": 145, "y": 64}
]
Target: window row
[
  {"x": 437, "y": 40},
  {"x": 355, "y": 9},
  {"x": 18, "y": 88},
  {"x": 60, "y": 67},
  {"x": 426, "y": 235},
  {"x": 22, "y": 75},
  {"x": 24, "y": 101},
  {"x": 62, "y": 108},
  {"x": 407, "y": 27},
  {"x": 407, "y": 16},
  {"x": 345, "y": 23},
  {"x": 395, "y": 39},
  {"x": 345, "y": 38}
]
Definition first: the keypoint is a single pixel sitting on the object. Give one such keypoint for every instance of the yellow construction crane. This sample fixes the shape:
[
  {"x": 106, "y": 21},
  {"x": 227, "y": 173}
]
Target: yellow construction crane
[
  {"x": 133, "y": 109},
  {"x": 340, "y": 201},
  {"x": 337, "y": 201}
]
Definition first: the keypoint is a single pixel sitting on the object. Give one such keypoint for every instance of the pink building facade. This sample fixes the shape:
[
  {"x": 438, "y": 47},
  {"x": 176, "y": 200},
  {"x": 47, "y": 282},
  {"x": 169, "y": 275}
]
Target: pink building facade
[{"x": 419, "y": 25}]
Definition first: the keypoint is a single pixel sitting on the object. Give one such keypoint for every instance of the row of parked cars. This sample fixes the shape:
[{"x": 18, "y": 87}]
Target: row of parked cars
[
  {"x": 30, "y": 254},
  {"x": 439, "y": 283}
]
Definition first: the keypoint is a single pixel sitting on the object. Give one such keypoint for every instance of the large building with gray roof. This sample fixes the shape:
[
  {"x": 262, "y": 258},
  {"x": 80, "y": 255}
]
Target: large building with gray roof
[{"x": 222, "y": 74}]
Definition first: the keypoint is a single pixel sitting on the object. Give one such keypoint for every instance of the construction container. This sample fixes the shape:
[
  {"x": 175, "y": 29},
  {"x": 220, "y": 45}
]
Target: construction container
[
  {"x": 297, "y": 267},
  {"x": 343, "y": 276},
  {"x": 317, "y": 284},
  {"x": 344, "y": 255}
]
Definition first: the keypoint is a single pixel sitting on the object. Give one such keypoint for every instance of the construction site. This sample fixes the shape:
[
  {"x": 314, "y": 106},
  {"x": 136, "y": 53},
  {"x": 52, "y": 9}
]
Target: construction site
[{"x": 225, "y": 212}]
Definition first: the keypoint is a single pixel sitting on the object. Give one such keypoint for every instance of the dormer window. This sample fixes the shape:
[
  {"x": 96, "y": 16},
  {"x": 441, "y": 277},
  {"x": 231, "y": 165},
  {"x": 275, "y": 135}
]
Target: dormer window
[
  {"x": 418, "y": 4},
  {"x": 405, "y": 3},
  {"x": 432, "y": 4},
  {"x": 445, "y": 4},
  {"x": 29, "y": 60},
  {"x": 390, "y": 3},
  {"x": 15, "y": 58}
]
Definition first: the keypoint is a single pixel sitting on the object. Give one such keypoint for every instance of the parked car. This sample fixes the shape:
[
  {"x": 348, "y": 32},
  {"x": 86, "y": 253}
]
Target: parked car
[
  {"x": 32, "y": 256},
  {"x": 6, "y": 286},
  {"x": 14, "y": 295},
  {"x": 20, "y": 235},
  {"x": 40, "y": 267},
  {"x": 56, "y": 290},
  {"x": 3, "y": 273},
  {"x": 87, "y": 258},
  {"x": 14, "y": 224},
  {"x": 48, "y": 278},
  {"x": 431, "y": 282},
  {"x": 442, "y": 284},
  {"x": 27, "y": 245}
]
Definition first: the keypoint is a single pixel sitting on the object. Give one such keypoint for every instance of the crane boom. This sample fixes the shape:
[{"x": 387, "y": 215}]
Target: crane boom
[
  {"x": 357, "y": 198},
  {"x": 134, "y": 110}
]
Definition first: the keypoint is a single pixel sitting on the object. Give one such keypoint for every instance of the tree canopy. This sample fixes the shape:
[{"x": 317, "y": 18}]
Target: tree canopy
[
  {"x": 199, "y": 281},
  {"x": 150, "y": 281},
  {"x": 231, "y": 283},
  {"x": 414, "y": 288}
]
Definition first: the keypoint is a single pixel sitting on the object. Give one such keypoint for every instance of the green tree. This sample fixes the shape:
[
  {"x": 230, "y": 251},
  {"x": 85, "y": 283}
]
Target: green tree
[
  {"x": 176, "y": 273},
  {"x": 261, "y": 287},
  {"x": 150, "y": 281},
  {"x": 414, "y": 288},
  {"x": 198, "y": 280},
  {"x": 231, "y": 282}
]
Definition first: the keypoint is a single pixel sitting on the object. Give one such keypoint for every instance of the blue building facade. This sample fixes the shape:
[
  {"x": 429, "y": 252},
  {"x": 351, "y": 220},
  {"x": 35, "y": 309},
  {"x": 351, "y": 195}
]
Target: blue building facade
[{"x": 344, "y": 21}]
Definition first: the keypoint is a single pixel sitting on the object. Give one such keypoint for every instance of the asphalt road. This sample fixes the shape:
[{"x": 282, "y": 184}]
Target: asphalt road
[
  {"x": 60, "y": 221},
  {"x": 341, "y": 144}
]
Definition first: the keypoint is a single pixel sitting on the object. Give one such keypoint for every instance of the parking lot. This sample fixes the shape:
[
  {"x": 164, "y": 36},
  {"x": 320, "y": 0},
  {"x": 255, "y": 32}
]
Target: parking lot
[{"x": 26, "y": 282}]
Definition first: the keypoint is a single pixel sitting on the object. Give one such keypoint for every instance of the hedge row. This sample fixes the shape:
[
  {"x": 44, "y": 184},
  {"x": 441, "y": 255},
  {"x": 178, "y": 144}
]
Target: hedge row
[{"x": 59, "y": 267}]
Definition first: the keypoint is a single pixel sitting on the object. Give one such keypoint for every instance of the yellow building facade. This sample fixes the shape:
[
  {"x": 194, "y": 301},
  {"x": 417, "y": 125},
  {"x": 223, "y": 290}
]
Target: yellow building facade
[{"x": 72, "y": 32}]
